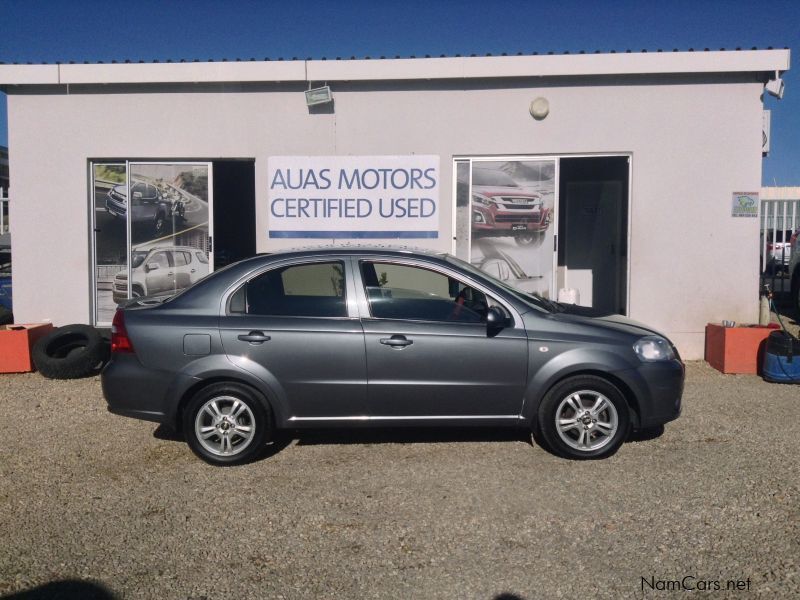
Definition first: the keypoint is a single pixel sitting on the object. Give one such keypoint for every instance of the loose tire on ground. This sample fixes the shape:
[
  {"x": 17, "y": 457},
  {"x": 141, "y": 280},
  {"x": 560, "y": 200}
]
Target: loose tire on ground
[
  {"x": 227, "y": 424},
  {"x": 70, "y": 352},
  {"x": 584, "y": 417}
]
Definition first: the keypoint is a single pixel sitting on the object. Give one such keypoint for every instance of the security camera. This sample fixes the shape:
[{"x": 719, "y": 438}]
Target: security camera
[{"x": 774, "y": 87}]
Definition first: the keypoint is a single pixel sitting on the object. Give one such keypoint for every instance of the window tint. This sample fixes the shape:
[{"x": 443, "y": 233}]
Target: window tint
[
  {"x": 160, "y": 259},
  {"x": 415, "y": 293},
  {"x": 483, "y": 176},
  {"x": 309, "y": 290},
  {"x": 180, "y": 258}
]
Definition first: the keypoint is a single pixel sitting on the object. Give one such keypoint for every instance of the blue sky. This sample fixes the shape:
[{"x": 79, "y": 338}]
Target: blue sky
[{"x": 50, "y": 31}]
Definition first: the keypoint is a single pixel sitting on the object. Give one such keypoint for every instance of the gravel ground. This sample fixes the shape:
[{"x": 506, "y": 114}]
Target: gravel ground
[{"x": 86, "y": 496}]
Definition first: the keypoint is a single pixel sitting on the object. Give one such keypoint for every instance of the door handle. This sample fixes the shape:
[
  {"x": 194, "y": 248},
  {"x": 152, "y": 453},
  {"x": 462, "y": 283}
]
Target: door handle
[
  {"x": 192, "y": 271},
  {"x": 396, "y": 341},
  {"x": 255, "y": 337},
  {"x": 170, "y": 274}
]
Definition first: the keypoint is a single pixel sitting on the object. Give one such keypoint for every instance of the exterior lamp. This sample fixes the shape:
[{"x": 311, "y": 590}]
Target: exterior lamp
[{"x": 320, "y": 95}]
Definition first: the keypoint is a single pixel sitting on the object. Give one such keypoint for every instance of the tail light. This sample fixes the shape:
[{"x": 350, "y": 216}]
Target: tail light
[{"x": 120, "y": 342}]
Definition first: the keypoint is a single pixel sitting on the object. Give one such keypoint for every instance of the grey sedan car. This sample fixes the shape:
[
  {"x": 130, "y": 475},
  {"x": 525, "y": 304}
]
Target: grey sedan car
[{"x": 376, "y": 337}]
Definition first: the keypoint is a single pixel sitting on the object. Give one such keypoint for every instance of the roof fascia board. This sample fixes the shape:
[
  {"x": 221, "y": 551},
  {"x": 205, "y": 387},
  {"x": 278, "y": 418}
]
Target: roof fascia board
[{"x": 481, "y": 67}]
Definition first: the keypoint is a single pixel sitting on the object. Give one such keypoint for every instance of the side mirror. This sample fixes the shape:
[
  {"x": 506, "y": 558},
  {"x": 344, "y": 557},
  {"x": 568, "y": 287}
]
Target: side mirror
[
  {"x": 150, "y": 267},
  {"x": 495, "y": 319},
  {"x": 137, "y": 195}
]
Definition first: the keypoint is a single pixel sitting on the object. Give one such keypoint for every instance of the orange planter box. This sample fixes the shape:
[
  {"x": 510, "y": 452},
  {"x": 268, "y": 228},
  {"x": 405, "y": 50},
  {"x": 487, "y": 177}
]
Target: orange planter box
[
  {"x": 16, "y": 342},
  {"x": 736, "y": 349}
]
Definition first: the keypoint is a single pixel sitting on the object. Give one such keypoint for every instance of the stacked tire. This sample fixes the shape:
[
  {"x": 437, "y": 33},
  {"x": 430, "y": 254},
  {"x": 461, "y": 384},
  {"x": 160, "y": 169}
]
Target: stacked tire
[{"x": 71, "y": 352}]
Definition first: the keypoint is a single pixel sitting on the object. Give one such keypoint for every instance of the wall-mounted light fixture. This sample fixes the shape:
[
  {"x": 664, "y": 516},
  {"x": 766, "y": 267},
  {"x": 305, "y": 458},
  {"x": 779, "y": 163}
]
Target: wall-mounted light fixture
[
  {"x": 774, "y": 87},
  {"x": 320, "y": 95},
  {"x": 540, "y": 108}
]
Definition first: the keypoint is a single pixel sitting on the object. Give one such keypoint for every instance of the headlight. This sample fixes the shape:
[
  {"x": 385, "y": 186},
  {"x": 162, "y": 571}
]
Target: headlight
[
  {"x": 653, "y": 348},
  {"x": 481, "y": 199}
]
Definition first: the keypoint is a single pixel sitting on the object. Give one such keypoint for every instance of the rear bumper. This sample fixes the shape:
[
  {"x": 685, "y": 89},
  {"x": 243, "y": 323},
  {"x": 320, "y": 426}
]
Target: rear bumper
[{"x": 132, "y": 390}]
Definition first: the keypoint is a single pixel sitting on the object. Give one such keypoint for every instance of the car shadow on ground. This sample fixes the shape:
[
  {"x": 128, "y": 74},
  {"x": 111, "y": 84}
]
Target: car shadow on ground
[
  {"x": 405, "y": 435},
  {"x": 66, "y": 589},
  {"x": 284, "y": 438}
]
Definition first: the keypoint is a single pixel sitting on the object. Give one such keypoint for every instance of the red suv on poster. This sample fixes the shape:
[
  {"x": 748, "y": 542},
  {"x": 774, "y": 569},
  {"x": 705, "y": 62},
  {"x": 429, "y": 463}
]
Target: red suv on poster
[{"x": 500, "y": 207}]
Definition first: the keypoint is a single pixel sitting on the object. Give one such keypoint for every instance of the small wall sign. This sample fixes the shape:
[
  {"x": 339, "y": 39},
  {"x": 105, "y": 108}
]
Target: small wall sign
[{"x": 744, "y": 204}]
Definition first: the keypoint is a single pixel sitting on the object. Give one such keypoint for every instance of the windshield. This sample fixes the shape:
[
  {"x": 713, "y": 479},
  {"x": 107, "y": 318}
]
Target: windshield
[
  {"x": 492, "y": 177},
  {"x": 533, "y": 300},
  {"x": 137, "y": 258}
]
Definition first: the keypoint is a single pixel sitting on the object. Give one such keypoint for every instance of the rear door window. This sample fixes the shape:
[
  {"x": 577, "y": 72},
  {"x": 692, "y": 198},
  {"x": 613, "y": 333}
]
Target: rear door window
[{"x": 305, "y": 290}]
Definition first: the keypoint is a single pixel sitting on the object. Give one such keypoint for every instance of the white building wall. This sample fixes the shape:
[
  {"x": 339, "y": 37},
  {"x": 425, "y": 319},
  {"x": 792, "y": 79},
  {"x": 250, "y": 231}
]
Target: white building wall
[{"x": 692, "y": 145}]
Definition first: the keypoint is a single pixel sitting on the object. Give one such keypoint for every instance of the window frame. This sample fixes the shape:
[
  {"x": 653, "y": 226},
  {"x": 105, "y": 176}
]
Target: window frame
[
  {"x": 366, "y": 308},
  {"x": 349, "y": 288}
]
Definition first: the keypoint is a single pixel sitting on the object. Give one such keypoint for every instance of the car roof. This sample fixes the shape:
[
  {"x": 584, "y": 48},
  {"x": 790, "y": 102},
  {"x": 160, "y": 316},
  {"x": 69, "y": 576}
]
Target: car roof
[{"x": 355, "y": 250}]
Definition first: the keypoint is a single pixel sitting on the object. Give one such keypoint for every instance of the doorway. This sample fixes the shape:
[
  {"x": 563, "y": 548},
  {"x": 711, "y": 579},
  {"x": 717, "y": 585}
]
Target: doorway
[
  {"x": 593, "y": 230},
  {"x": 234, "y": 211}
]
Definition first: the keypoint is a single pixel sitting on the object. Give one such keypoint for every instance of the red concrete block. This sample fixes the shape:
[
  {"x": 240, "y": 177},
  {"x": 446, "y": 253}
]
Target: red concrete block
[
  {"x": 736, "y": 349},
  {"x": 16, "y": 342}
]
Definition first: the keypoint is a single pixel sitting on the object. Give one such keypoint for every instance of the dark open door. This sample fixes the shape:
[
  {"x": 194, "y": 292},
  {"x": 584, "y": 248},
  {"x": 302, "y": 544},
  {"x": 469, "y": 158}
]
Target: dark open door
[{"x": 593, "y": 229}]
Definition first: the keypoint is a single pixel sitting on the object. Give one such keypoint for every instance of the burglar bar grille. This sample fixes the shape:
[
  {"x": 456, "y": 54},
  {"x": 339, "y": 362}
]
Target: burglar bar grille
[{"x": 779, "y": 220}]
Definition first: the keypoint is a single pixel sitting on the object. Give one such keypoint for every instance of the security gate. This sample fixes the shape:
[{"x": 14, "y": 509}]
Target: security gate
[{"x": 780, "y": 219}]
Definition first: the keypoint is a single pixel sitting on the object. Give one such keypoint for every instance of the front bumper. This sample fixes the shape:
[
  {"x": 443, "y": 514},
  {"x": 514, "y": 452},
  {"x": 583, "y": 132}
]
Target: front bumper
[{"x": 658, "y": 389}]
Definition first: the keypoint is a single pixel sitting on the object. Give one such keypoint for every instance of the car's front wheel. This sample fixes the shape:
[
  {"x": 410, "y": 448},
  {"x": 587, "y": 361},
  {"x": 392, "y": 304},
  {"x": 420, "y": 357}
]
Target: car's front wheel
[
  {"x": 529, "y": 239},
  {"x": 227, "y": 424},
  {"x": 584, "y": 417}
]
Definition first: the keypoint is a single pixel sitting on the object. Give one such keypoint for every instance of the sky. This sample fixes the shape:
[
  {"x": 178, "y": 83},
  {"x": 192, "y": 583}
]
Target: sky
[{"x": 60, "y": 31}]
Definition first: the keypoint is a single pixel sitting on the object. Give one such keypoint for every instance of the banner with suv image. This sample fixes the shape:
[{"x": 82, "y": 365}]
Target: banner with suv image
[
  {"x": 511, "y": 211},
  {"x": 158, "y": 242}
]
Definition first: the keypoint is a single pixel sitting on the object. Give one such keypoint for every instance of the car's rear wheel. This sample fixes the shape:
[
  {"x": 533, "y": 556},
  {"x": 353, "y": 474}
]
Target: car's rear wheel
[
  {"x": 227, "y": 424},
  {"x": 584, "y": 417}
]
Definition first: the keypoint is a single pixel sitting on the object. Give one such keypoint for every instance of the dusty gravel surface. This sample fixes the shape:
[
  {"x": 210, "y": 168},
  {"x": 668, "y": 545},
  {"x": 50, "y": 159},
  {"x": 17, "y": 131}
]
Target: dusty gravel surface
[{"x": 86, "y": 496}]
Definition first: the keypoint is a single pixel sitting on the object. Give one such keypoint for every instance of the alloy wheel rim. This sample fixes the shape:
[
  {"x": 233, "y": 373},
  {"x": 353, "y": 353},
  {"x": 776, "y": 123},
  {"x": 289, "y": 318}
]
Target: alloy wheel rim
[
  {"x": 586, "y": 420},
  {"x": 224, "y": 426}
]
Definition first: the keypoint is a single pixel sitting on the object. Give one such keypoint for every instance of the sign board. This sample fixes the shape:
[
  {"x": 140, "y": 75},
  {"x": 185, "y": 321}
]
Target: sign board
[
  {"x": 353, "y": 197},
  {"x": 744, "y": 204},
  {"x": 766, "y": 119}
]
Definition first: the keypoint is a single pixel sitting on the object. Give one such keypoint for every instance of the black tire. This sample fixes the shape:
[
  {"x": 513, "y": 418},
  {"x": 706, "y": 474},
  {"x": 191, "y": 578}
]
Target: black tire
[
  {"x": 597, "y": 443},
  {"x": 6, "y": 316},
  {"x": 256, "y": 415},
  {"x": 529, "y": 240},
  {"x": 71, "y": 352}
]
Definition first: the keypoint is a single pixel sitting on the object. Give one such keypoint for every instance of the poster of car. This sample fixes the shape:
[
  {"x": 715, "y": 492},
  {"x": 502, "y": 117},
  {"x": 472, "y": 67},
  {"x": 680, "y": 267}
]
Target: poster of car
[
  {"x": 167, "y": 219},
  {"x": 511, "y": 219}
]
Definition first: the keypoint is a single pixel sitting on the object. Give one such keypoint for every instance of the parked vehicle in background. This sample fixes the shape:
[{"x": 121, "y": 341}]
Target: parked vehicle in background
[
  {"x": 502, "y": 266},
  {"x": 793, "y": 269},
  {"x": 500, "y": 207},
  {"x": 162, "y": 270},
  {"x": 149, "y": 206},
  {"x": 360, "y": 337},
  {"x": 778, "y": 247}
]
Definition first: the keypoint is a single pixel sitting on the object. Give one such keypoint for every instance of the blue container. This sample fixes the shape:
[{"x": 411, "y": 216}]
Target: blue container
[
  {"x": 781, "y": 362},
  {"x": 5, "y": 291}
]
